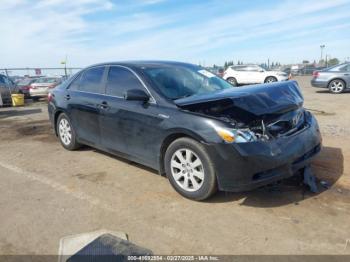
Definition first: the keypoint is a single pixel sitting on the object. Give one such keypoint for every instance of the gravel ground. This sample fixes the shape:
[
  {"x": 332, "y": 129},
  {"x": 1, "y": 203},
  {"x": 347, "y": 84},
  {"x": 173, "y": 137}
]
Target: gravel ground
[{"x": 47, "y": 193}]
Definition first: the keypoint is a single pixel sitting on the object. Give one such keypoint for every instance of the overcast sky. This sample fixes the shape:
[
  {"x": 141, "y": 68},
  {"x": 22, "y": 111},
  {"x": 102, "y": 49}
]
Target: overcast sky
[{"x": 42, "y": 33}]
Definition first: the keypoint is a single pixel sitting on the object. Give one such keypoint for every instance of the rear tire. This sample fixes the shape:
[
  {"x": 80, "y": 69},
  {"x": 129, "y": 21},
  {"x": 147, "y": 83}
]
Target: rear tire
[
  {"x": 336, "y": 86},
  {"x": 66, "y": 133},
  {"x": 189, "y": 169},
  {"x": 232, "y": 81}
]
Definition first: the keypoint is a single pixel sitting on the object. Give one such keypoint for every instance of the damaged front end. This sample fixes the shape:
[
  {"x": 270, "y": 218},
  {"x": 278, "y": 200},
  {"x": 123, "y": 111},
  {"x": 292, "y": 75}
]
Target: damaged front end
[
  {"x": 260, "y": 112},
  {"x": 266, "y": 134}
]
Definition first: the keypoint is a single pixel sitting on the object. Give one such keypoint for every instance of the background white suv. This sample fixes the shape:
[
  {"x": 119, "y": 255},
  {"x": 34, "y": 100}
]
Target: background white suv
[{"x": 252, "y": 74}]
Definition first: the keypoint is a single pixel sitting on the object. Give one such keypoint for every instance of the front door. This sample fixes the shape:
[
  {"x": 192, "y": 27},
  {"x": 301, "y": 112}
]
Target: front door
[{"x": 124, "y": 123}]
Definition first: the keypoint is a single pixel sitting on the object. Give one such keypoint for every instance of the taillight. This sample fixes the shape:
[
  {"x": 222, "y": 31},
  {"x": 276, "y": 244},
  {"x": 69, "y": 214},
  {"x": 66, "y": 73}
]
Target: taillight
[
  {"x": 49, "y": 97},
  {"x": 315, "y": 74},
  {"x": 52, "y": 86}
]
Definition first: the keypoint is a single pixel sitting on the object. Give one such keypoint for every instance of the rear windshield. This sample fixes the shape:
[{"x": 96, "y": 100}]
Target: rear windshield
[
  {"x": 25, "y": 82},
  {"x": 47, "y": 80},
  {"x": 337, "y": 68}
]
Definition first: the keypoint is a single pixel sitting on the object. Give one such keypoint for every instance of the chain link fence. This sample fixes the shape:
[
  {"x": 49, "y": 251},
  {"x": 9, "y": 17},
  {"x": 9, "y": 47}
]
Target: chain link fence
[{"x": 39, "y": 71}]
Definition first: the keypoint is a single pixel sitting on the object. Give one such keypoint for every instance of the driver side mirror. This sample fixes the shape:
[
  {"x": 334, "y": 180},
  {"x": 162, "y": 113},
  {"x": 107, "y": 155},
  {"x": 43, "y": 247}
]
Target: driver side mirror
[{"x": 136, "y": 95}]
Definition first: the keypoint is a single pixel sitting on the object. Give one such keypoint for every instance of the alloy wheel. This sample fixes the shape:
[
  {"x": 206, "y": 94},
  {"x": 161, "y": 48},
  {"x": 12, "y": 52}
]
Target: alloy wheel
[
  {"x": 270, "y": 80},
  {"x": 187, "y": 169},
  {"x": 232, "y": 81},
  {"x": 337, "y": 86},
  {"x": 65, "y": 131}
]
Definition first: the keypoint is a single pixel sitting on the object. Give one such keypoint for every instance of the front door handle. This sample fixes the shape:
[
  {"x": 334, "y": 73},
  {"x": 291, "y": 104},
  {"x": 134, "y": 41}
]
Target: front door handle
[
  {"x": 346, "y": 74},
  {"x": 104, "y": 105}
]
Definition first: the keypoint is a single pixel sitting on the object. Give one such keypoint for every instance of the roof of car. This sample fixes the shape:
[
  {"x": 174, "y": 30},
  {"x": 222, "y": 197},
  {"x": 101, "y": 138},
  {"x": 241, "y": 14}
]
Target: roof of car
[{"x": 145, "y": 63}]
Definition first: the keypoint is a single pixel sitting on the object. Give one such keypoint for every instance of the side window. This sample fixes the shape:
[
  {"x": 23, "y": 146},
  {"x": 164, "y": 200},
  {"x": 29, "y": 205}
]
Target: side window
[
  {"x": 2, "y": 80},
  {"x": 252, "y": 69},
  {"x": 7, "y": 81},
  {"x": 239, "y": 68},
  {"x": 91, "y": 79},
  {"x": 346, "y": 68},
  {"x": 75, "y": 83},
  {"x": 119, "y": 80}
]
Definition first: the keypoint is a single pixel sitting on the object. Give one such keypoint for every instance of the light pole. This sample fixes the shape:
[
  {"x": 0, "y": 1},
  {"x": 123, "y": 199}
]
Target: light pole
[
  {"x": 322, "y": 47},
  {"x": 65, "y": 66}
]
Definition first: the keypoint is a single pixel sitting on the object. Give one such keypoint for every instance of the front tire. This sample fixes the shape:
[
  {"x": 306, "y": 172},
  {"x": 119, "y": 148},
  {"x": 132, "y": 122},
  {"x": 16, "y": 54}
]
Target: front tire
[
  {"x": 66, "y": 133},
  {"x": 190, "y": 169},
  {"x": 336, "y": 86},
  {"x": 270, "y": 79},
  {"x": 232, "y": 81}
]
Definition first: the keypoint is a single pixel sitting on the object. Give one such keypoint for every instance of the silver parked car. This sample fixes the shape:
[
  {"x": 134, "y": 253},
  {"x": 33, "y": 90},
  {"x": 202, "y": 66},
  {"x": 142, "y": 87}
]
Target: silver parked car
[
  {"x": 336, "y": 78},
  {"x": 41, "y": 86}
]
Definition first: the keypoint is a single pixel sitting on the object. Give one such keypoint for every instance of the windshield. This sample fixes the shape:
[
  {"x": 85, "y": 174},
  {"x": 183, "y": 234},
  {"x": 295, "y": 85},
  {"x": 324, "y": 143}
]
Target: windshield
[{"x": 179, "y": 82}]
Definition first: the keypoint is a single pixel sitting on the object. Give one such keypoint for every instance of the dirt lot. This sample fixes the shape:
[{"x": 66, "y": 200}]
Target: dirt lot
[{"x": 47, "y": 192}]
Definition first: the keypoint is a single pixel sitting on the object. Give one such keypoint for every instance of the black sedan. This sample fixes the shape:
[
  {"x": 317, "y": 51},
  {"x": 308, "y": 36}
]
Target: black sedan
[{"x": 187, "y": 123}]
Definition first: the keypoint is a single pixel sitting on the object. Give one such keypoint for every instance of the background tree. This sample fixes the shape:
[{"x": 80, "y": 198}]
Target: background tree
[{"x": 333, "y": 61}]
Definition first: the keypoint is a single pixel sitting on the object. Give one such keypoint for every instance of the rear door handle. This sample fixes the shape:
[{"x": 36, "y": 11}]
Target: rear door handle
[
  {"x": 104, "y": 105},
  {"x": 67, "y": 97},
  {"x": 346, "y": 74}
]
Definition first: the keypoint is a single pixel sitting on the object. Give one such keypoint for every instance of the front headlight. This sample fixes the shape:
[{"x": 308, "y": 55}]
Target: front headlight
[{"x": 235, "y": 135}]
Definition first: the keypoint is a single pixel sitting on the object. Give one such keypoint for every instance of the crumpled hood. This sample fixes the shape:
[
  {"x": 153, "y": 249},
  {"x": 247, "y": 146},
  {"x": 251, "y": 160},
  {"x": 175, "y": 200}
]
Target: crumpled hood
[{"x": 274, "y": 98}]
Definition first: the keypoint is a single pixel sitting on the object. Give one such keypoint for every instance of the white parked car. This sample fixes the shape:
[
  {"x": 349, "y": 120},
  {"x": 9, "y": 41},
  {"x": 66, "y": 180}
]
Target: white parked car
[{"x": 252, "y": 74}]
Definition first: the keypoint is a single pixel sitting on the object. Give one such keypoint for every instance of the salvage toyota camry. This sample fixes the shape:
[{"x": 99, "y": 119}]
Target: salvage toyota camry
[{"x": 182, "y": 120}]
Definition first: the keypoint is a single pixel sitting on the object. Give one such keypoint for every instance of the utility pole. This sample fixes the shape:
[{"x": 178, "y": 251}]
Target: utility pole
[{"x": 322, "y": 47}]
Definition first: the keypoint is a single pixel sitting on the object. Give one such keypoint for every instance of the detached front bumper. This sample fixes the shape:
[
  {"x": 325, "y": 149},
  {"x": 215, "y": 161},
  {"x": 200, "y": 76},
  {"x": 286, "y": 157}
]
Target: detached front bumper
[{"x": 245, "y": 166}]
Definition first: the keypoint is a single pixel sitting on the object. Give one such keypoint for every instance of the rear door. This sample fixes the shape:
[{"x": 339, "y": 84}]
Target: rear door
[
  {"x": 84, "y": 96},
  {"x": 129, "y": 127}
]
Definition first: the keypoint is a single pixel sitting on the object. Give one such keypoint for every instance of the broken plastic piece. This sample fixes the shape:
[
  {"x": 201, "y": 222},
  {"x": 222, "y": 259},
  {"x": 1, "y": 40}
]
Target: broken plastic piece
[{"x": 310, "y": 179}]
